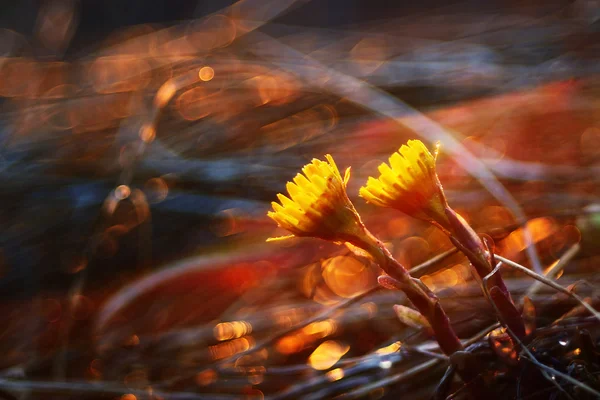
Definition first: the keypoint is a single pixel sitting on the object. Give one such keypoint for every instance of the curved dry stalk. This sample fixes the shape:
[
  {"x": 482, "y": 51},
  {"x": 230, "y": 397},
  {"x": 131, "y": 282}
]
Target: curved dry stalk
[{"x": 551, "y": 283}]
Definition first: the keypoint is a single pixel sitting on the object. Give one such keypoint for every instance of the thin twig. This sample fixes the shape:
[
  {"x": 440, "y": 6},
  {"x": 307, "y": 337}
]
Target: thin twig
[
  {"x": 550, "y": 283},
  {"x": 425, "y": 267},
  {"x": 394, "y": 379},
  {"x": 555, "y": 269}
]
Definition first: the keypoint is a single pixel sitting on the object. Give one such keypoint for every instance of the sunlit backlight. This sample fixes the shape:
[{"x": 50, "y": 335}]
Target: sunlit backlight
[
  {"x": 230, "y": 348},
  {"x": 290, "y": 344},
  {"x": 165, "y": 94},
  {"x": 132, "y": 341},
  {"x": 147, "y": 133},
  {"x": 122, "y": 192},
  {"x": 128, "y": 396},
  {"x": 18, "y": 77},
  {"x": 119, "y": 74},
  {"x": 392, "y": 348},
  {"x": 206, "y": 377},
  {"x": 335, "y": 374},
  {"x": 346, "y": 276},
  {"x": 428, "y": 281},
  {"x": 327, "y": 354},
  {"x": 412, "y": 251},
  {"x": 198, "y": 102},
  {"x": 539, "y": 228},
  {"x": 320, "y": 328},
  {"x": 206, "y": 73},
  {"x": 232, "y": 330},
  {"x": 273, "y": 88}
]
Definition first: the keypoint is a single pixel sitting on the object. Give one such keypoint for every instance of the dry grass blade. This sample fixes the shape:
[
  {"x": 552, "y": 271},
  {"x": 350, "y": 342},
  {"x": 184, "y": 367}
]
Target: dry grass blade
[
  {"x": 394, "y": 379},
  {"x": 550, "y": 283},
  {"x": 555, "y": 269}
]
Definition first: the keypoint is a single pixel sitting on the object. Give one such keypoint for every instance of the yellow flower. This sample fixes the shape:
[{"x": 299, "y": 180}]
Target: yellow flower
[
  {"x": 318, "y": 205},
  {"x": 409, "y": 184}
]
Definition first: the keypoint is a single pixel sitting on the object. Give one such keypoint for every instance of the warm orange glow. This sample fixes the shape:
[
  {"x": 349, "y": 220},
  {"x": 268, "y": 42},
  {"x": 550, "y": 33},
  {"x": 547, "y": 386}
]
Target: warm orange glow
[
  {"x": 206, "y": 377},
  {"x": 128, "y": 396},
  {"x": 398, "y": 226},
  {"x": 133, "y": 340},
  {"x": 229, "y": 348},
  {"x": 122, "y": 192},
  {"x": 274, "y": 88},
  {"x": 449, "y": 277},
  {"x": 411, "y": 317},
  {"x": 539, "y": 228},
  {"x": 206, "y": 73},
  {"x": 320, "y": 328},
  {"x": 289, "y": 344},
  {"x": 346, "y": 276},
  {"x": 392, "y": 348},
  {"x": 147, "y": 133},
  {"x": 198, "y": 102},
  {"x": 232, "y": 330},
  {"x": 164, "y": 94},
  {"x": 119, "y": 74},
  {"x": 327, "y": 354},
  {"x": 412, "y": 251},
  {"x": 18, "y": 77},
  {"x": 428, "y": 281},
  {"x": 335, "y": 374}
]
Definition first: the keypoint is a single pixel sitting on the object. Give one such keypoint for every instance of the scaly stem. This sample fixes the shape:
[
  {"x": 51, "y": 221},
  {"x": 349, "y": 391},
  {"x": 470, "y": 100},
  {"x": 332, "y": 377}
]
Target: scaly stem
[
  {"x": 429, "y": 305},
  {"x": 420, "y": 295},
  {"x": 467, "y": 241}
]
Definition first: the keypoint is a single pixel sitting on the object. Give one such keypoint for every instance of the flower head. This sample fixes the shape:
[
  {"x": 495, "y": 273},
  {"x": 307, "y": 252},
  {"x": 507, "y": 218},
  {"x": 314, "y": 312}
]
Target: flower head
[
  {"x": 409, "y": 184},
  {"x": 318, "y": 205}
]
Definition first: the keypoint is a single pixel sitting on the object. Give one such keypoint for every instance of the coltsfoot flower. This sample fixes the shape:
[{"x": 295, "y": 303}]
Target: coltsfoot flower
[
  {"x": 409, "y": 184},
  {"x": 318, "y": 205}
]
